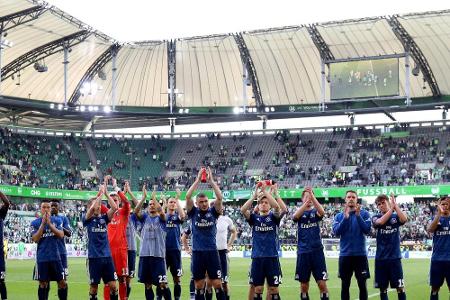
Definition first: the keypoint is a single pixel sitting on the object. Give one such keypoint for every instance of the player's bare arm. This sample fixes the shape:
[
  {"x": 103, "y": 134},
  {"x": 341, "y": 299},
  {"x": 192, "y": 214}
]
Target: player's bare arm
[
  {"x": 112, "y": 204},
  {"x": 219, "y": 199},
  {"x": 315, "y": 202},
  {"x": 246, "y": 208},
  {"x": 180, "y": 210},
  {"x": 138, "y": 208},
  {"x": 192, "y": 189},
  {"x": 434, "y": 224}
]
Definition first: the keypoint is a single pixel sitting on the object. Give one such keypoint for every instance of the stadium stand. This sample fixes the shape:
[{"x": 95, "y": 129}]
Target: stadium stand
[{"x": 344, "y": 156}]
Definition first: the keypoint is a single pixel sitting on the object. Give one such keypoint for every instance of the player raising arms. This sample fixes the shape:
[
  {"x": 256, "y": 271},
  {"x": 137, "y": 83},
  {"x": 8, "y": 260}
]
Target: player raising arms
[
  {"x": 46, "y": 231},
  {"x": 152, "y": 266},
  {"x": 205, "y": 258},
  {"x": 440, "y": 259},
  {"x": 283, "y": 211},
  {"x": 175, "y": 216},
  {"x": 117, "y": 237},
  {"x": 99, "y": 263},
  {"x": 388, "y": 264},
  {"x": 310, "y": 256},
  {"x": 265, "y": 263},
  {"x": 3, "y": 212}
]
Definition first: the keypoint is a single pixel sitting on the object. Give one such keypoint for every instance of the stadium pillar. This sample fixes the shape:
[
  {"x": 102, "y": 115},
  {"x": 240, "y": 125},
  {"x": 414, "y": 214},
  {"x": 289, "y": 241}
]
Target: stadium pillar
[
  {"x": 245, "y": 81},
  {"x": 171, "y": 57},
  {"x": 1, "y": 53},
  {"x": 113, "y": 81},
  {"x": 264, "y": 122},
  {"x": 407, "y": 79},
  {"x": 131, "y": 163},
  {"x": 172, "y": 125},
  {"x": 65, "y": 63},
  {"x": 323, "y": 87}
]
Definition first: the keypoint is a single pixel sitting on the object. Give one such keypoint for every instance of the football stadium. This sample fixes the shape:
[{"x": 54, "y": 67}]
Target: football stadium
[{"x": 308, "y": 161}]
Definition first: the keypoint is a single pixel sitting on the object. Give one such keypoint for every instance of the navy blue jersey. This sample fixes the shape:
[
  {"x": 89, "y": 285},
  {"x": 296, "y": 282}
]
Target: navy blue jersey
[
  {"x": 388, "y": 237},
  {"x": 47, "y": 247},
  {"x": 264, "y": 235},
  {"x": 3, "y": 212},
  {"x": 203, "y": 229},
  {"x": 308, "y": 232},
  {"x": 352, "y": 232},
  {"x": 173, "y": 229},
  {"x": 441, "y": 240},
  {"x": 98, "y": 245},
  {"x": 61, "y": 244}
]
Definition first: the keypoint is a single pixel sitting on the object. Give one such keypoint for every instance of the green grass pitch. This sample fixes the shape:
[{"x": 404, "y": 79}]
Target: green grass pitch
[{"x": 21, "y": 287}]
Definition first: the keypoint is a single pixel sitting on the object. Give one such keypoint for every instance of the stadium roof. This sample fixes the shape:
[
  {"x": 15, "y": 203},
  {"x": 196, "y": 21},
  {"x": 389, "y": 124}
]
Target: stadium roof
[{"x": 286, "y": 65}]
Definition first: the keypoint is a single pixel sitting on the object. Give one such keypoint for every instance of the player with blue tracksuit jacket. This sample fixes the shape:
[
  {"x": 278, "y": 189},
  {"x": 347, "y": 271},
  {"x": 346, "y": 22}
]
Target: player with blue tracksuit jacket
[{"x": 352, "y": 225}]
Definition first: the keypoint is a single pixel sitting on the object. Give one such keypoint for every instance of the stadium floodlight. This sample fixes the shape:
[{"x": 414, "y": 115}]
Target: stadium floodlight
[
  {"x": 180, "y": 111},
  {"x": 241, "y": 110},
  {"x": 40, "y": 67},
  {"x": 52, "y": 105},
  {"x": 272, "y": 109},
  {"x": 186, "y": 111},
  {"x": 236, "y": 110},
  {"x": 90, "y": 108},
  {"x": 89, "y": 88},
  {"x": 101, "y": 74},
  {"x": 266, "y": 109},
  {"x": 84, "y": 88},
  {"x": 416, "y": 70},
  {"x": 82, "y": 108},
  {"x": 95, "y": 108},
  {"x": 60, "y": 106},
  {"x": 107, "y": 109}
]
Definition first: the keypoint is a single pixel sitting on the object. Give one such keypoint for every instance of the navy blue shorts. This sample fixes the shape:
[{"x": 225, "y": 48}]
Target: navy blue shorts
[
  {"x": 2, "y": 266},
  {"x": 439, "y": 271},
  {"x": 388, "y": 271},
  {"x": 101, "y": 268},
  {"x": 312, "y": 262},
  {"x": 64, "y": 266},
  {"x": 173, "y": 262},
  {"x": 48, "y": 271},
  {"x": 206, "y": 262},
  {"x": 131, "y": 263},
  {"x": 265, "y": 268},
  {"x": 152, "y": 270},
  {"x": 357, "y": 264},
  {"x": 223, "y": 255}
]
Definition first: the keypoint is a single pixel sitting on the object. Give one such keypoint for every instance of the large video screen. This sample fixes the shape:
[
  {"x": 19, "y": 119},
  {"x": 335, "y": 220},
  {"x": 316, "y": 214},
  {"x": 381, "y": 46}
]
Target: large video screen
[{"x": 364, "y": 79}]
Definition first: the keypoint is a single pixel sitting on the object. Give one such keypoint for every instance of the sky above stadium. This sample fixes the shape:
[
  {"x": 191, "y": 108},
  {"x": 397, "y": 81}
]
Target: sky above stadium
[{"x": 135, "y": 20}]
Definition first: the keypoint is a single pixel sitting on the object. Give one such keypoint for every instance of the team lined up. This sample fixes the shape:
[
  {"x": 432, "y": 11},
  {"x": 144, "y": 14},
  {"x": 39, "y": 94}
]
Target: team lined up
[{"x": 112, "y": 246}]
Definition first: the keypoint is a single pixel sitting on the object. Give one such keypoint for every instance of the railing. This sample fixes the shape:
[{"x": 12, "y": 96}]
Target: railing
[{"x": 190, "y": 135}]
